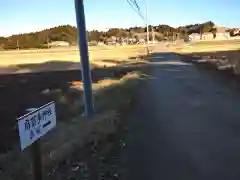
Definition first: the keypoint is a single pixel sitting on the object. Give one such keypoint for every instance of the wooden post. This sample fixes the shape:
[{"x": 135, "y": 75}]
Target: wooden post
[{"x": 37, "y": 160}]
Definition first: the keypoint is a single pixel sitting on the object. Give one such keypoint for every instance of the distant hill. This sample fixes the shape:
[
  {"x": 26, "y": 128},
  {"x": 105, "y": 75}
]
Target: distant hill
[
  {"x": 39, "y": 39},
  {"x": 69, "y": 34}
]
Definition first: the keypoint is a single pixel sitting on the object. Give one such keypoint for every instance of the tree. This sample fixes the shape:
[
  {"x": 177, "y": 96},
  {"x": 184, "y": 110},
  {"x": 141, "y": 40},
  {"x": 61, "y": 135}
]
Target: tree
[
  {"x": 112, "y": 32},
  {"x": 159, "y": 37},
  {"x": 207, "y": 27},
  {"x": 68, "y": 33},
  {"x": 231, "y": 32},
  {"x": 94, "y": 36},
  {"x": 214, "y": 32},
  {"x": 137, "y": 38},
  {"x": 122, "y": 33}
]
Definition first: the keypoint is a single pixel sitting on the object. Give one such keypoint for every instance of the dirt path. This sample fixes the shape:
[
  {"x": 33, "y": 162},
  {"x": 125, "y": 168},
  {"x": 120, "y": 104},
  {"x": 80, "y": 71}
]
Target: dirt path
[{"x": 186, "y": 125}]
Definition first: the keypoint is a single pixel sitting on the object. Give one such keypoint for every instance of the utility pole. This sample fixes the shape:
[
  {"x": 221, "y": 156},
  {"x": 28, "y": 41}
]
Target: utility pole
[
  {"x": 173, "y": 38},
  {"x": 153, "y": 34},
  {"x": 83, "y": 48},
  {"x": 147, "y": 26},
  {"x": 47, "y": 42},
  {"x": 17, "y": 45}
]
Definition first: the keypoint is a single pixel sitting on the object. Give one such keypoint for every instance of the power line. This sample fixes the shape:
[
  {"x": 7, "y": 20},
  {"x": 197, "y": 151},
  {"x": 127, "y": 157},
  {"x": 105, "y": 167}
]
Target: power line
[{"x": 134, "y": 5}]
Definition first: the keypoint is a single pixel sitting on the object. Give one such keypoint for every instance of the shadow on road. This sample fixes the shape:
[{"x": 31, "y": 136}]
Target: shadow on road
[
  {"x": 163, "y": 56},
  {"x": 184, "y": 125}
]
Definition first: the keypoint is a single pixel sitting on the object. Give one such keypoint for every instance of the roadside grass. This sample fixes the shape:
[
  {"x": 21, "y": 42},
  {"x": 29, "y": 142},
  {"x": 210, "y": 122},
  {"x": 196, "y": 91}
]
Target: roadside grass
[
  {"x": 111, "y": 98},
  {"x": 221, "y": 56}
]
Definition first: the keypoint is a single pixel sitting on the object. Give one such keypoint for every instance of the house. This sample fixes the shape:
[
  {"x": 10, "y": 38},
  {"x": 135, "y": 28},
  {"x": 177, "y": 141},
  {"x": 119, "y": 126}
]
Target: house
[
  {"x": 93, "y": 43},
  {"x": 141, "y": 41},
  {"x": 58, "y": 44},
  {"x": 100, "y": 43},
  {"x": 111, "y": 40},
  {"x": 123, "y": 41},
  {"x": 194, "y": 37},
  {"x": 207, "y": 36}
]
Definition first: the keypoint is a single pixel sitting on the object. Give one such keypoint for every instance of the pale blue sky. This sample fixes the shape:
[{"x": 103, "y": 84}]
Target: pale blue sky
[{"x": 20, "y": 16}]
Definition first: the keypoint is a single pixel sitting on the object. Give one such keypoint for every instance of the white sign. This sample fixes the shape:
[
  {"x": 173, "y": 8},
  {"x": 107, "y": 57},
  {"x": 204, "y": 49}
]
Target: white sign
[{"x": 36, "y": 124}]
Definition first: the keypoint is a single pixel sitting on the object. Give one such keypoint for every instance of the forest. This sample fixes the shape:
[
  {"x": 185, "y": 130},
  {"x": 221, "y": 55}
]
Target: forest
[{"x": 69, "y": 34}]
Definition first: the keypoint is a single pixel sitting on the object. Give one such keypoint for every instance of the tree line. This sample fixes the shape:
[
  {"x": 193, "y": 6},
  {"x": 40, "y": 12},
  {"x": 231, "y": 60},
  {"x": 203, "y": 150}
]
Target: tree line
[{"x": 69, "y": 34}]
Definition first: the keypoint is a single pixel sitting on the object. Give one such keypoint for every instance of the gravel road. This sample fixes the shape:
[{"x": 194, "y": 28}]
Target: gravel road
[{"x": 186, "y": 125}]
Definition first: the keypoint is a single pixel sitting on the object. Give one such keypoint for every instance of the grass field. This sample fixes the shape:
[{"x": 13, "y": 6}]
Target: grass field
[
  {"x": 73, "y": 132},
  {"x": 208, "y": 46},
  {"x": 71, "y": 54}
]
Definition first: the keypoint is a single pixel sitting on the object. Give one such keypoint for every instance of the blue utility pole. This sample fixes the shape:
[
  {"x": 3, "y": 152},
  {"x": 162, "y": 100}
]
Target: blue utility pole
[{"x": 83, "y": 47}]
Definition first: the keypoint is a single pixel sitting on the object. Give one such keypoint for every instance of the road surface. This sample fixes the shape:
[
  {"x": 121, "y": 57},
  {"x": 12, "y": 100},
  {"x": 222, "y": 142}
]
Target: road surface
[{"x": 185, "y": 126}]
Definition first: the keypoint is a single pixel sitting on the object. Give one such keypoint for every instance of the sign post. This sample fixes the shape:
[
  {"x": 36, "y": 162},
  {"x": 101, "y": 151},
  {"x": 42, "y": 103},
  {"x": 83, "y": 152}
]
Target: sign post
[
  {"x": 32, "y": 126},
  {"x": 37, "y": 160}
]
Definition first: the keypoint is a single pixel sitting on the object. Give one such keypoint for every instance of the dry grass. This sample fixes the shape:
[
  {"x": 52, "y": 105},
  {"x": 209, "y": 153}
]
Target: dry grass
[
  {"x": 71, "y": 54},
  {"x": 207, "y": 47},
  {"x": 220, "y": 55},
  {"x": 72, "y": 134},
  {"x": 210, "y": 48},
  {"x": 105, "y": 83}
]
